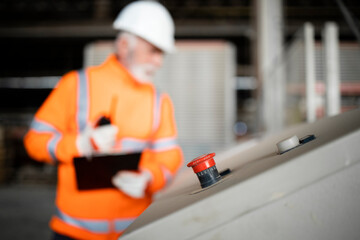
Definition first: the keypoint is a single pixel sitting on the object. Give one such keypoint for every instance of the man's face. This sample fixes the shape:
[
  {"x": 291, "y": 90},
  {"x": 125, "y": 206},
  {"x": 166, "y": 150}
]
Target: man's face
[{"x": 143, "y": 60}]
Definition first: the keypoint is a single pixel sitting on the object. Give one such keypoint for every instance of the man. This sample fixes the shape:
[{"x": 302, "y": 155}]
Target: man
[{"x": 141, "y": 120}]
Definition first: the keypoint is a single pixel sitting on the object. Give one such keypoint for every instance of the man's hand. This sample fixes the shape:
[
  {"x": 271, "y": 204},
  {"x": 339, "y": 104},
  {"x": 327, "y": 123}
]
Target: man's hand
[
  {"x": 132, "y": 183},
  {"x": 100, "y": 139},
  {"x": 103, "y": 138}
]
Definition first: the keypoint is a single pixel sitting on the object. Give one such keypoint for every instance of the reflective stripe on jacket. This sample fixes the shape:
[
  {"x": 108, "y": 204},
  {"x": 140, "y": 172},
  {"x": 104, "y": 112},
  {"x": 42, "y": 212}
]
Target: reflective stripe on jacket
[{"x": 145, "y": 120}]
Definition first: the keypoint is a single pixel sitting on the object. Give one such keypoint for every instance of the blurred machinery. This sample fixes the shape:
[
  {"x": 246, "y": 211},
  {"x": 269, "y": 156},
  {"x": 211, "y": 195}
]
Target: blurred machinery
[{"x": 309, "y": 191}]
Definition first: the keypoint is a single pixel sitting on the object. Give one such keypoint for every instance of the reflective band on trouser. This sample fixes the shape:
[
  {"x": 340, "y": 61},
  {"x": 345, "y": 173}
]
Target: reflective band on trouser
[
  {"x": 96, "y": 226},
  {"x": 122, "y": 224},
  {"x": 82, "y": 100},
  {"x": 44, "y": 127}
]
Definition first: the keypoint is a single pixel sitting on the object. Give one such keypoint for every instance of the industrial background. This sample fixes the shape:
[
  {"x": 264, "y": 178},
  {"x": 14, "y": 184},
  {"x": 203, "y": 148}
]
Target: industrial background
[{"x": 242, "y": 70}]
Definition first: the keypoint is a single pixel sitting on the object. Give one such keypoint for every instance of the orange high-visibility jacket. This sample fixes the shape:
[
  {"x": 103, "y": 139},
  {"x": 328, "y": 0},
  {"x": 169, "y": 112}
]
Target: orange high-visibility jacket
[{"x": 146, "y": 122}]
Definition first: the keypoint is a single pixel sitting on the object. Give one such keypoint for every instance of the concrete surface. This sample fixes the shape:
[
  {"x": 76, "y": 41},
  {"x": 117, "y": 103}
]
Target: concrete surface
[
  {"x": 25, "y": 211},
  {"x": 310, "y": 192}
]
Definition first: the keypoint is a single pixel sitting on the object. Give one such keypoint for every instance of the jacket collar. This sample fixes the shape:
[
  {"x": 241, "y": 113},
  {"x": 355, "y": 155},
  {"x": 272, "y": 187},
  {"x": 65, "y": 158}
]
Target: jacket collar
[{"x": 121, "y": 69}]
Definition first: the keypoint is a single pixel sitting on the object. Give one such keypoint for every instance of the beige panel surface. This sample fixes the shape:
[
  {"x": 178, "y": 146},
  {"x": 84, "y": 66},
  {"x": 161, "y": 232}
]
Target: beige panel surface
[{"x": 259, "y": 177}]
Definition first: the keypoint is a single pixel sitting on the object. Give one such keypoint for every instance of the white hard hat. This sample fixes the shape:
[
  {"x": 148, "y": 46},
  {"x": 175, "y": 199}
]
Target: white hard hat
[{"x": 149, "y": 20}]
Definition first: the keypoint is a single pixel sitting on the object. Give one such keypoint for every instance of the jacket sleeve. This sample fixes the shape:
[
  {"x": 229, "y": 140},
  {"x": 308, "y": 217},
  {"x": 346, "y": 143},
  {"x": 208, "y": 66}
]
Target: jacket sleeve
[
  {"x": 52, "y": 134},
  {"x": 165, "y": 156}
]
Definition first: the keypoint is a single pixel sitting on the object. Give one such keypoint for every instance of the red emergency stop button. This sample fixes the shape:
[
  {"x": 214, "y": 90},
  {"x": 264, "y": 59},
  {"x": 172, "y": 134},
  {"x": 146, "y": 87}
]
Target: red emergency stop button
[
  {"x": 205, "y": 169},
  {"x": 202, "y": 162}
]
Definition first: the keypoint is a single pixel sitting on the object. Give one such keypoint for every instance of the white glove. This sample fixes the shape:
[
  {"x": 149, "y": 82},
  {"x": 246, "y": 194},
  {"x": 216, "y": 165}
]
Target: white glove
[
  {"x": 104, "y": 137},
  {"x": 132, "y": 183},
  {"x": 83, "y": 142},
  {"x": 101, "y": 139}
]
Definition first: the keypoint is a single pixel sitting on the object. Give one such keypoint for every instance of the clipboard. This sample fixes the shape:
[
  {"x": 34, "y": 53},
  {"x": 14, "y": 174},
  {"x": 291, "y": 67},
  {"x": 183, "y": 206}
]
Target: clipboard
[{"x": 96, "y": 172}]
